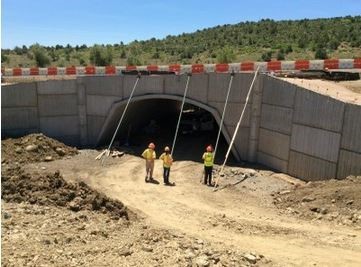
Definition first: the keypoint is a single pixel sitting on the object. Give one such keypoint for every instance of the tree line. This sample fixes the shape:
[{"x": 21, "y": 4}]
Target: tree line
[{"x": 264, "y": 40}]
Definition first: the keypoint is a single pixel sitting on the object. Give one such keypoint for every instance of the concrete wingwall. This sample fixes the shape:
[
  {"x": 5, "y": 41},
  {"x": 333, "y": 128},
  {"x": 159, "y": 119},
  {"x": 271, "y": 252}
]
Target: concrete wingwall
[
  {"x": 306, "y": 134},
  {"x": 285, "y": 127}
]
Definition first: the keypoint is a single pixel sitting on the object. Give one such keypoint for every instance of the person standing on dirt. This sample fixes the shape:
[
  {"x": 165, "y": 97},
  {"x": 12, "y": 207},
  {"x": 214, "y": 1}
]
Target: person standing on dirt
[
  {"x": 167, "y": 159},
  {"x": 208, "y": 158},
  {"x": 149, "y": 156}
]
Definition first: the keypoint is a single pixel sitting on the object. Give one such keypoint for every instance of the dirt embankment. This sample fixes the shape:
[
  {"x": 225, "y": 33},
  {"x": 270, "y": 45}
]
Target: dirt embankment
[
  {"x": 34, "y": 148},
  {"x": 332, "y": 200},
  {"x": 49, "y": 188},
  {"x": 52, "y": 190}
]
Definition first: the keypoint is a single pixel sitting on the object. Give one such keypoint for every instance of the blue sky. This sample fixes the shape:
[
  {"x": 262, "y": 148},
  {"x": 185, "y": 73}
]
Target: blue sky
[{"x": 51, "y": 22}]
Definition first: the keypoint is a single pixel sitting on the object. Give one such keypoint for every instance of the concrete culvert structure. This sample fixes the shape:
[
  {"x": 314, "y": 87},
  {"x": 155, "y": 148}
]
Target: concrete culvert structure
[
  {"x": 308, "y": 129},
  {"x": 154, "y": 119}
]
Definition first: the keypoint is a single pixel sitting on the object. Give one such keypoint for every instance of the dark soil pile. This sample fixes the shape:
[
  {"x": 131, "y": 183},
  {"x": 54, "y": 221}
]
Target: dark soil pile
[
  {"x": 48, "y": 189},
  {"x": 34, "y": 148},
  {"x": 334, "y": 200},
  {"x": 51, "y": 189}
]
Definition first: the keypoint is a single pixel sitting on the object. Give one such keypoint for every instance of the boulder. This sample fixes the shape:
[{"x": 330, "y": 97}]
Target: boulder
[
  {"x": 125, "y": 252},
  {"x": 202, "y": 261},
  {"x": 60, "y": 151},
  {"x": 308, "y": 199},
  {"x": 285, "y": 192},
  {"x": 31, "y": 148},
  {"x": 48, "y": 158},
  {"x": 250, "y": 258},
  {"x": 75, "y": 205}
]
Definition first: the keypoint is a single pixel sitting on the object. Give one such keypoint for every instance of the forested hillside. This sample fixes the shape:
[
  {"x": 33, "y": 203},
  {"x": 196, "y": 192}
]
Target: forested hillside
[{"x": 263, "y": 40}]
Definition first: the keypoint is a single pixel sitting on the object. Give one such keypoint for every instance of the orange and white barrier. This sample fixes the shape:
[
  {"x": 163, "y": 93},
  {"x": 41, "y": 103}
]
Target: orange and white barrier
[{"x": 271, "y": 66}]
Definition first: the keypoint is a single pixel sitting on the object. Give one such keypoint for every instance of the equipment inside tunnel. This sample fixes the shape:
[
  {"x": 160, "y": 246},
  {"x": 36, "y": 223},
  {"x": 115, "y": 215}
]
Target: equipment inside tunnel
[{"x": 155, "y": 120}]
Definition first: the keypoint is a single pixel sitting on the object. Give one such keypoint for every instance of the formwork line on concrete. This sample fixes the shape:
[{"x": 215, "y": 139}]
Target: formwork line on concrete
[
  {"x": 57, "y": 116},
  {"x": 37, "y": 106},
  {"x": 351, "y": 151},
  {"x": 292, "y": 123},
  {"x": 255, "y": 121},
  {"x": 277, "y": 157},
  {"x": 315, "y": 127},
  {"x": 340, "y": 146},
  {"x": 276, "y": 131},
  {"x": 21, "y": 107},
  {"x": 308, "y": 155}
]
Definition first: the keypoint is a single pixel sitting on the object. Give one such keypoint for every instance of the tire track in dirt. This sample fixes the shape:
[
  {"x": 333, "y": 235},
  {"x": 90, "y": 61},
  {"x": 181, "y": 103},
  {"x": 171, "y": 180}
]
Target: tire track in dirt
[
  {"x": 194, "y": 209},
  {"x": 229, "y": 217}
]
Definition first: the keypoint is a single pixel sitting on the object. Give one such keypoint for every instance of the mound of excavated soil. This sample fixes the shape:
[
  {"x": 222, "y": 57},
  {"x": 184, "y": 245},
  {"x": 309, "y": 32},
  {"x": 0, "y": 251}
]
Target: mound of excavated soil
[
  {"x": 48, "y": 189},
  {"x": 333, "y": 200},
  {"x": 51, "y": 189},
  {"x": 34, "y": 148}
]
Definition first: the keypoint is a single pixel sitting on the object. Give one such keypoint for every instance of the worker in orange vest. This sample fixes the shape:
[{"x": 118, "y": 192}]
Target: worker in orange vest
[
  {"x": 167, "y": 159},
  {"x": 208, "y": 158},
  {"x": 149, "y": 156}
]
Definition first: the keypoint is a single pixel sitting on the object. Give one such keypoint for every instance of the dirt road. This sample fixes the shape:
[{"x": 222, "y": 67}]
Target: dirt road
[{"x": 240, "y": 217}]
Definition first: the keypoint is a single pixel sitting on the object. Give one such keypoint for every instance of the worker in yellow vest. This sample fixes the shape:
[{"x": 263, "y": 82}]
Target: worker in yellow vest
[
  {"x": 149, "y": 156},
  {"x": 208, "y": 158},
  {"x": 167, "y": 159}
]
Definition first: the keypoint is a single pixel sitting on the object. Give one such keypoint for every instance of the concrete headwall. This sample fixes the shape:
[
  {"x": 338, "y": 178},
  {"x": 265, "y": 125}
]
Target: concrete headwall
[
  {"x": 206, "y": 89},
  {"x": 285, "y": 127}
]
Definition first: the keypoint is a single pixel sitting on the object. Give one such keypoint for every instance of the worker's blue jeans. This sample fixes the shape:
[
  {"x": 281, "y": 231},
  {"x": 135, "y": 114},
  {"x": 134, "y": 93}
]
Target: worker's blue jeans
[{"x": 166, "y": 175}]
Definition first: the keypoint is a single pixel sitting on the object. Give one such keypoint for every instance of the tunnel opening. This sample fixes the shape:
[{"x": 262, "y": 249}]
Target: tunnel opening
[{"x": 155, "y": 120}]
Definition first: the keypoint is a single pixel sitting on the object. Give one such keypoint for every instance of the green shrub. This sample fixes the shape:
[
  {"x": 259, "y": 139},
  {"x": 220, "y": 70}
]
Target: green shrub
[
  {"x": 4, "y": 58},
  {"x": 133, "y": 61},
  {"x": 280, "y": 55},
  {"x": 225, "y": 55},
  {"x": 101, "y": 56},
  {"x": 40, "y": 55},
  {"x": 267, "y": 56},
  {"x": 321, "y": 54}
]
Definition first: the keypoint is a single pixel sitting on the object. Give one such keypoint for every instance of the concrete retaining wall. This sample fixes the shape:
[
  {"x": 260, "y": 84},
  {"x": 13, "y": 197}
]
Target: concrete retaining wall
[
  {"x": 50, "y": 107},
  {"x": 308, "y": 135},
  {"x": 276, "y": 123},
  {"x": 285, "y": 127},
  {"x": 58, "y": 110},
  {"x": 19, "y": 109}
]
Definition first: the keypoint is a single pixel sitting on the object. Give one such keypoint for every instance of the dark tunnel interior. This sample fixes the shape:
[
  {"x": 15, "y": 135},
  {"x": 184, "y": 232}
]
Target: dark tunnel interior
[{"x": 155, "y": 120}]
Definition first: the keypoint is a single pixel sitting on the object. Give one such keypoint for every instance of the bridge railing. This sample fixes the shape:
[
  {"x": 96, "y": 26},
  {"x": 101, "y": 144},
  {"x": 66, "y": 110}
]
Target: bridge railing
[{"x": 247, "y": 66}]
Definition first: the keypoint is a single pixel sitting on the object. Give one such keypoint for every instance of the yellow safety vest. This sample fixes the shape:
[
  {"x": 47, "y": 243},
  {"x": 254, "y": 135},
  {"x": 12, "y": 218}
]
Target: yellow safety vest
[
  {"x": 149, "y": 154},
  {"x": 167, "y": 160},
  {"x": 208, "y": 159}
]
